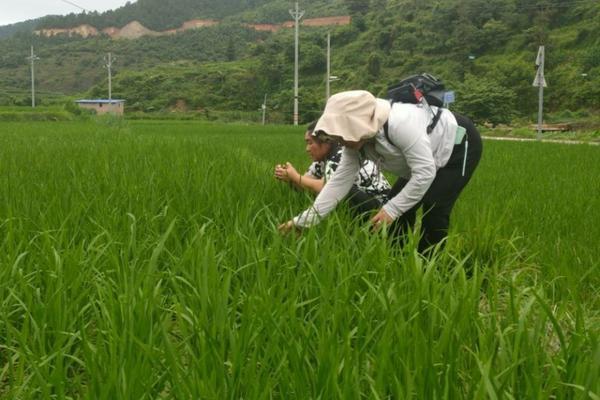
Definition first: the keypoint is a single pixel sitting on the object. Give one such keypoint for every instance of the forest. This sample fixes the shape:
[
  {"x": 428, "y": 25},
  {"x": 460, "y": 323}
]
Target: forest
[{"x": 484, "y": 51}]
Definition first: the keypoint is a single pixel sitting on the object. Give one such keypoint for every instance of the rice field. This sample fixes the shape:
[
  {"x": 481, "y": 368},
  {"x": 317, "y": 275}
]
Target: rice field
[{"x": 140, "y": 260}]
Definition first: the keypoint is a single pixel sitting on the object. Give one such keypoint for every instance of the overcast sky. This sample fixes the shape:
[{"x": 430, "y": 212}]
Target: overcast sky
[{"x": 12, "y": 11}]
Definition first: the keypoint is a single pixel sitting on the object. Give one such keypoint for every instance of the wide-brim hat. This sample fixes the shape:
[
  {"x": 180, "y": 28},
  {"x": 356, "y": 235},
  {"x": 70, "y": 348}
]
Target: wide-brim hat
[{"x": 353, "y": 115}]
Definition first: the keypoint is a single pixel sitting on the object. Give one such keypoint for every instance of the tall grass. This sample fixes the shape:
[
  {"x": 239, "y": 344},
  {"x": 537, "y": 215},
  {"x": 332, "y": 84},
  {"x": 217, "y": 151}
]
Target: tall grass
[{"x": 141, "y": 260}]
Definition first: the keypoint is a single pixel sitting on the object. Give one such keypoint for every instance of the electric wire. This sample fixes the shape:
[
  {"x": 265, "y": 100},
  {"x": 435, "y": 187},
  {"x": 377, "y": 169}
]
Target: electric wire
[{"x": 74, "y": 5}]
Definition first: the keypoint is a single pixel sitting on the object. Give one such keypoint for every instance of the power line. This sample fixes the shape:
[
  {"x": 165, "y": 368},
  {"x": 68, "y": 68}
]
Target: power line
[{"x": 74, "y": 5}]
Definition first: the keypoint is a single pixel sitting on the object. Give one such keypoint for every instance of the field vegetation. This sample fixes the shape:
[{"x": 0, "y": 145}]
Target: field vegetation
[{"x": 140, "y": 259}]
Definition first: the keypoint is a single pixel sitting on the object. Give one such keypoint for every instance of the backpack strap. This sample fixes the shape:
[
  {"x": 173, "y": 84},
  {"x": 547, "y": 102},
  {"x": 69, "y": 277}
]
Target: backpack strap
[
  {"x": 435, "y": 120},
  {"x": 386, "y": 127},
  {"x": 430, "y": 128}
]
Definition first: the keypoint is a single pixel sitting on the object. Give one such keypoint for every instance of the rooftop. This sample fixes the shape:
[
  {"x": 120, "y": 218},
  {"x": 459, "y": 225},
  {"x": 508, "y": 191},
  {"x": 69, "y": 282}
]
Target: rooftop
[{"x": 100, "y": 101}]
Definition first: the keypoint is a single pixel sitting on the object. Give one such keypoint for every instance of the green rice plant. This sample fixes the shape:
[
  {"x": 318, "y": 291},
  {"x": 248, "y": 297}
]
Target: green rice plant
[{"x": 141, "y": 259}]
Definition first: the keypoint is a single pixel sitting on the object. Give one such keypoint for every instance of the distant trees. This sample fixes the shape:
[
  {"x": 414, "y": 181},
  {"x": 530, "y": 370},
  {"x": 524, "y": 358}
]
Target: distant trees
[
  {"x": 374, "y": 65},
  {"x": 162, "y": 15},
  {"x": 486, "y": 100},
  {"x": 484, "y": 50},
  {"x": 313, "y": 58},
  {"x": 357, "y": 7}
]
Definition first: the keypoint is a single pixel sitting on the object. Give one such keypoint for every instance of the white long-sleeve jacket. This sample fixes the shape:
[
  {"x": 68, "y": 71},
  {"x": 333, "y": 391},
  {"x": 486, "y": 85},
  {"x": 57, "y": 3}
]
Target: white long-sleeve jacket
[{"x": 412, "y": 154}]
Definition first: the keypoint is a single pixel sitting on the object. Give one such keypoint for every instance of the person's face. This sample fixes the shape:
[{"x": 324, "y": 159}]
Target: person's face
[{"x": 316, "y": 150}]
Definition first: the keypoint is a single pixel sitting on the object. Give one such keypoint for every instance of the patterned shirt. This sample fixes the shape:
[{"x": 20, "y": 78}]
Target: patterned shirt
[{"x": 369, "y": 179}]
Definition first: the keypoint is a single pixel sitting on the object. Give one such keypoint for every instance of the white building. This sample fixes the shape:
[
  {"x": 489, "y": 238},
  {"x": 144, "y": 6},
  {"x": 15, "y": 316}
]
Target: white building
[{"x": 102, "y": 106}]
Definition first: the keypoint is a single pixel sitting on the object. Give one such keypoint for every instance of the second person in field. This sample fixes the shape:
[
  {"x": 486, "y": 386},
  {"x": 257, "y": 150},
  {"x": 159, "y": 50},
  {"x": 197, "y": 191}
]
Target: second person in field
[{"x": 369, "y": 191}]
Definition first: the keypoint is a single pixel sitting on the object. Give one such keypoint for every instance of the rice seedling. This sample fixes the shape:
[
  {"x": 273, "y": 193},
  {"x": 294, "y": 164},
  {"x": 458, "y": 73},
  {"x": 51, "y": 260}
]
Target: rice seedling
[{"x": 141, "y": 260}]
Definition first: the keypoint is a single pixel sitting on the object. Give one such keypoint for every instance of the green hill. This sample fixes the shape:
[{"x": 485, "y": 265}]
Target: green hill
[
  {"x": 483, "y": 50},
  {"x": 162, "y": 15},
  {"x": 25, "y": 26}
]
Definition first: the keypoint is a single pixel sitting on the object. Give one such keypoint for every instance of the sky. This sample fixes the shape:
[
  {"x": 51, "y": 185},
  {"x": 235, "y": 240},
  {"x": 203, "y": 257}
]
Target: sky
[{"x": 12, "y": 11}]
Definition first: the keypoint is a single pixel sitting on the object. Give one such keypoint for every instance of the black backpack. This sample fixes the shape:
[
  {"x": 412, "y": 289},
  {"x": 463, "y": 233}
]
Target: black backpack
[
  {"x": 413, "y": 89},
  {"x": 408, "y": 89}
]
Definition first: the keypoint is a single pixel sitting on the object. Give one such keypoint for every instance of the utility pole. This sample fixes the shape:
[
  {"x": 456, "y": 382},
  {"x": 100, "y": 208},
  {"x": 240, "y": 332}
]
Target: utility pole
[
  {"x": 540, "y": 82},
  {"x": 33, "y": 58},
  {"x": 109, "y": 62},
  {"x": 264, "y": 110},
  {"x": 297, "y": 15},
  {"x": 327, "y": 91}
]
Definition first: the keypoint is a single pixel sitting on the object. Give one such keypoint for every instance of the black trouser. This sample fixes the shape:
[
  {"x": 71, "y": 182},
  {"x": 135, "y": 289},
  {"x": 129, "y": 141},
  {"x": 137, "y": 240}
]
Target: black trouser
[
  {"x": 361, "y": 204},
  {"x": 444, "y": 191}
]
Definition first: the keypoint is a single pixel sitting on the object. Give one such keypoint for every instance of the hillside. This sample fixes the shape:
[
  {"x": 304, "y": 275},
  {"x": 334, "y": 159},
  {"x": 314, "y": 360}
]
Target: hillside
[
  {"x": 160, "y": 15},
  {"x": 26, "y": 26},
  {"x": 484, "y": 51},
  {"x": 135, "y": 30}
]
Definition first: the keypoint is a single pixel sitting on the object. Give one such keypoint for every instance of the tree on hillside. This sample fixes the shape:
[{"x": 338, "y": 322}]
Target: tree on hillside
[
  {"x": 485, "y": 100},
  {"x": 374, "y": 65},
  {"x": 357, "y": 7},
  {"x": 313, "y": 58},
  {"x": 230, "y": 51}
]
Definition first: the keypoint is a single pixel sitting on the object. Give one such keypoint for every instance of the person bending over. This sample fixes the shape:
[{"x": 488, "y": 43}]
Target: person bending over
[
  {"x": 369, "y": 190},
  {"x": 433, "y": 162}
]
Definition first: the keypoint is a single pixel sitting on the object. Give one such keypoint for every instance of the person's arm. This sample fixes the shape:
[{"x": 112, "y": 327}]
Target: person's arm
[
  {"x": 419, "y": 158},
  {"x": 333, "y": 191},
  {"x": 311, "y": 183}
]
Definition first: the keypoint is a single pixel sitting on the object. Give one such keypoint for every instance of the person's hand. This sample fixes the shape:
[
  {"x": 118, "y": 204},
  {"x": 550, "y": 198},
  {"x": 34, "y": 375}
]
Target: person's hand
[
  {"x": 288, "y": 227},
  {"x": 287, "y": 173},
  {"x": 292, "y": 174},
  {"x": 280, "y": 172},
  {"x": 382, "y": 218}
]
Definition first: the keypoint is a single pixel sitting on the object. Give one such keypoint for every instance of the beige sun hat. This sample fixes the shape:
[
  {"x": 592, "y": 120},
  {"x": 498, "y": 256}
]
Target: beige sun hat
[{"x": 353, "y": 115}]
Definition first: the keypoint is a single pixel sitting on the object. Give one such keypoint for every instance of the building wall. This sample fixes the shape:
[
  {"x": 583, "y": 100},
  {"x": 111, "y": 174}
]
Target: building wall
[{"x": 102, "y": 108}]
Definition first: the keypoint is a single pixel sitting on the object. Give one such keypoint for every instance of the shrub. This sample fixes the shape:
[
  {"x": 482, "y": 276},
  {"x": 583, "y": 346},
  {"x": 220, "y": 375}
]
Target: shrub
[{"x": 485, "y": 99}]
